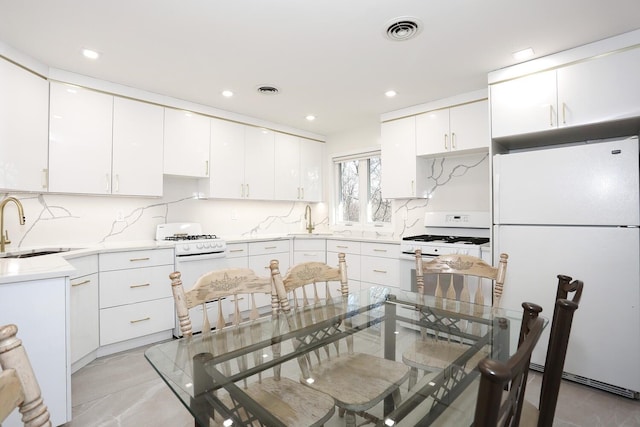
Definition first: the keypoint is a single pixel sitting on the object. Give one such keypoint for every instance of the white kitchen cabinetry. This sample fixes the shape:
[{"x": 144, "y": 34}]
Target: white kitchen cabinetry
[
  {"x": 24, "y": 111},
  {"x": 583, "y": 93},
  {"x": 80, "y": 140},
  {"x": 458, "y": 129},
  {"x": 380, "y": 264},
  {"x": 237, "y": 255},
  {"x": 135, "y": 294},
  {"x": 298, "y": 168},
  {"x": 137, "y": 148},
  {"x": 306, "y": 250},
  {"x": 38, "y": 309},
  {"x": 186, "y": 143},
  {"x": 101, "y": 144},
  {"x": 260, "y": 256},
  {"x": 84, "y": 311},
  {"x": 242, "y": 162},
  {"x": 401, "y": 169},
  {"x": 351, "y": 249}
]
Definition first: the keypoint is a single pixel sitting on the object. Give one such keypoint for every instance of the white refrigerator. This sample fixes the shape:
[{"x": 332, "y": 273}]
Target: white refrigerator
[{"x": 575, "y": 210}]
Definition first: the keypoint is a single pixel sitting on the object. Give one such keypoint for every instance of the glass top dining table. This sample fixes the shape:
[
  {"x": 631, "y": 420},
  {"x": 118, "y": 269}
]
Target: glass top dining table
[{"x": 383, "y": 321}]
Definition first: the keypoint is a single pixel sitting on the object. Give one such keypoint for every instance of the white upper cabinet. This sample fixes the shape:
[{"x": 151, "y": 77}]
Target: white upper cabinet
[
  {"x": 186, "y": 143},
  {"x": 101, "y": 144},
  {"x": 401, "y": 167},
  {"x": 24, "y": 106},
  {"x": 137, "y": 148},
  {"x": 593, "y": 91},
  {"x": 80, "y": 138},
  {"x": 242, "y": 162},
  {"x": 298, "y": 168}
]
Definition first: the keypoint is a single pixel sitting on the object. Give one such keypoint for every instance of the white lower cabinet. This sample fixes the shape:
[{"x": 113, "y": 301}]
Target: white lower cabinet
[
  {"x": 260, "y": 256},
  {"x": 135, "y": 294},
  {"x": 237, "y": 255},
  {"x": 84, "y": 311},
  {"x": 351, "y": 249},
  {"x": 379, "y": 264}
]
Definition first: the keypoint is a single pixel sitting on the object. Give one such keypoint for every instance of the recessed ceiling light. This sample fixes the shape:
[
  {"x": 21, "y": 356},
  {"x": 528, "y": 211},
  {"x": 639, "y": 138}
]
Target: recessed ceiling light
[
  {"x": 390, "y": 93},
  {"x": 523, "y": 54},
  {"x": 310, "y": 117},
  {"x": 227, "y": 93},
  {"x": 91, "y": 54}
]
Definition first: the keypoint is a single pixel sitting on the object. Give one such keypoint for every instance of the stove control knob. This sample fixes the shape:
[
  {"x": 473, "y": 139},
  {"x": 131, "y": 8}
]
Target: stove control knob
[
  {"x": 206, "y": 245},
  {"x": 185, "y": 248},
  {"x": 198, "y": 245}
]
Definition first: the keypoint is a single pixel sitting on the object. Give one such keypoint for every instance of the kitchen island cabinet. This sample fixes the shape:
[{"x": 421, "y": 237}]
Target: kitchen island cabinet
[
  {"x": 24, "y": 110},
  {"x": 459, "y": 129},
  {"x": 186, "y": 143},
  {"x": 379, "y": 263}
]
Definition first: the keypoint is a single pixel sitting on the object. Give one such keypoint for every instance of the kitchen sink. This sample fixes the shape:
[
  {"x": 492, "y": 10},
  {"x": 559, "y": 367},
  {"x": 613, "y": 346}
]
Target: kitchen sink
[{"x": 34, "y": 253}]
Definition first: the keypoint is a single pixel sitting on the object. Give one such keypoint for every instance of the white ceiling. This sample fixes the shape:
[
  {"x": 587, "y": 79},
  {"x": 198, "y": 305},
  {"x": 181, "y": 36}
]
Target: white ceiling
[{"x": 328, "y": 58}]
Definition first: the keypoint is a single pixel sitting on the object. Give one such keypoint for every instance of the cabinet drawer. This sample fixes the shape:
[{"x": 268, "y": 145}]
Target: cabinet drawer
[
  {"x": 120, "y": 287},
  {"x": 383, "y": 271},
  {"x": 84, "y": 265},
  {"x": 136, "y": 259},
  {"x": 380, "y": 250},
  {"x": 136, "y": 320},
  {"x": 308, "y": 256},
  {"x": 309, "y": 244},
  {"x": 353, "y": 265},
  {"x": 235, "y": 250},
  {"x": 271, "y": 247},
  {"x": 345, "y": 246}
]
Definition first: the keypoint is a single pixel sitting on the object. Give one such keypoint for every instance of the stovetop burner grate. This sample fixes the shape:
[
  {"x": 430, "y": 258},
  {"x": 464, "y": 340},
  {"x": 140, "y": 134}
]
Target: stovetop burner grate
[
  {"x": 448, "y": 239},
  {"x": 180, "y": 237}
]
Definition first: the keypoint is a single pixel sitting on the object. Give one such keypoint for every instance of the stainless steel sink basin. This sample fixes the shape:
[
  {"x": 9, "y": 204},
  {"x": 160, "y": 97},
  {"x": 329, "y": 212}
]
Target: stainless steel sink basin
[{"x": 34, "y": 253}]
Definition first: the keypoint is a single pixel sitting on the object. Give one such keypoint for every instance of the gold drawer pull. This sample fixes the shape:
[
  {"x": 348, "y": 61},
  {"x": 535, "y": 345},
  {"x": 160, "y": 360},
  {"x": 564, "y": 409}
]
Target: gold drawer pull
[
  {"x": 140, "y": 286},
  {"x": 236, "y": 250},
  {"x": 84, "y": 282},
  {"x": 380, "y": 271},
  {"x": 270, "y": 247},
  {"x": 342, "y": 246},
  {"x": 139, "y": 259},
  {"x": 380, "y": 250},
  {"x": 140, "y": 320}
]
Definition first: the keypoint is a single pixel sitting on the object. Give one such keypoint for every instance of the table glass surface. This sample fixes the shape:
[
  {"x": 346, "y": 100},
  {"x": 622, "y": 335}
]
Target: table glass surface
[{"x": 383, "y": 321}]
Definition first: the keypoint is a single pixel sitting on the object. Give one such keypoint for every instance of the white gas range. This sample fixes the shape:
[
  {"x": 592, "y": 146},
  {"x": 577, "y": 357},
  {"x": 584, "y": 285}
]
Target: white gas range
[
  {"x": 447, "y": 233},
  {"x": 196, "y": 254}
]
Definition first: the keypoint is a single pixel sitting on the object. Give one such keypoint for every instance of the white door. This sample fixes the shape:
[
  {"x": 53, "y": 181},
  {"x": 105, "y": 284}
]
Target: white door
[
  {"x": 287, "y": 167},
  {"x": 432, "y": 132},
  {"x": 470, "y": 126},
  {"x": 398, "y": 144},
  {"x": 311, "y": 155},
  {"x": 137, "y": 148},
  {"x": 227, "y": 160},
  {"x": 606, "y": 327},
  {"x": 186, "y": 143},
  {"x": 259, "y": 163}
]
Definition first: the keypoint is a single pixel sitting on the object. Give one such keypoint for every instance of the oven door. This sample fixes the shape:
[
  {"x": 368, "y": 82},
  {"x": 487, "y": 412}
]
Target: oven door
[{"x": 192, "y": 267}]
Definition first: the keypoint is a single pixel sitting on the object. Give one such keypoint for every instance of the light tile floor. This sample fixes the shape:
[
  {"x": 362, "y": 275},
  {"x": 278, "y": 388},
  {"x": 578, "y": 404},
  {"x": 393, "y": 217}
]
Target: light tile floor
[{"x": 123, "y": 390}]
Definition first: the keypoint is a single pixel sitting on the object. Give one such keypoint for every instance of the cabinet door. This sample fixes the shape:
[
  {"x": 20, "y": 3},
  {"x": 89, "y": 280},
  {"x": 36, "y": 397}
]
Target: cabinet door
[
  {"x": 79, "y": 140},
  {"x": 287, "y": 167},
  {"x": 311, "y": 155},
  {"x": 227, "y": 160},
  {"x": 137, "y": 148},
  {"x": 24, "y": 111},
  {"x": 524, "y": 105},
  {"x": 259, "y": 168},
  {"x": 599, "y": 90},
  {"x": 186, "y": 143},
  {"x": 469, "y": 126},
  {"x": 84, "y": 315},
  {"x": 398, "y": 148},
  {"x": 432, "y": 132}
]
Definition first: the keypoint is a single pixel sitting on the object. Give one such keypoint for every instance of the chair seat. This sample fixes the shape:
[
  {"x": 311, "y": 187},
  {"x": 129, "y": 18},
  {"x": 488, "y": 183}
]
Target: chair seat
[
  {"x": 438, "y": 355},
  {"x": 336, "y": 376},
  {"x": 294, "y": 404}
]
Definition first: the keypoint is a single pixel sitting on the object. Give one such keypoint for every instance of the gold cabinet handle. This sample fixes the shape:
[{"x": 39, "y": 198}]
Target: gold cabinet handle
[
  {"x": 446, "y": 146},
  {"x": 270, "y": 247},
  {"x": 302, "y": 190},
  {"x": 84, "y": 282},
  {"x": 551, "y": 115},
  {"x": 342, "y": 246},
  {"x": 45, "y": 178},
  {"x": 140, "y": 320},
  {"x": 453, "y": 140},
  {"x": 380, "y": 271},
  {"x": 140, "y": 286},
  {"x": 139, "y": 259},
  {"x": 206, "y": 168},
  {"x": 379, "y": 250},
  {"x": 247, "y": 190},
  {"x": 564, "y": 113},
  {"x": 236, "y": 250}
]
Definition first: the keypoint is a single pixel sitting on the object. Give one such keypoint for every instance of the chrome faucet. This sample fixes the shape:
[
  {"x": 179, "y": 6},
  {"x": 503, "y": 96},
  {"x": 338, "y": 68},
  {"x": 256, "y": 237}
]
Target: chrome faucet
[
  {"x": 4, "y": 235},
  {"x": 307, "y": 216}
]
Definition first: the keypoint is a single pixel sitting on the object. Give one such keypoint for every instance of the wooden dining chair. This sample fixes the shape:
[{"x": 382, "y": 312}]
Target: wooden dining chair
[
  {"x": 452, "y": 275},
  {"x": 356, "y": 381},
  {"x": 289, "y": 401},
  {"x": 19, "y": 387},
  {"x": 495, "y": 406},
  {"x": 556, "y": 353}
]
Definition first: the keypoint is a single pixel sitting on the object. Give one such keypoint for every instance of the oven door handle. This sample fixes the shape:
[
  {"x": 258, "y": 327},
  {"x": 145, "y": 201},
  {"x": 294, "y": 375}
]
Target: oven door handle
[{"x": 199, "y": 257}]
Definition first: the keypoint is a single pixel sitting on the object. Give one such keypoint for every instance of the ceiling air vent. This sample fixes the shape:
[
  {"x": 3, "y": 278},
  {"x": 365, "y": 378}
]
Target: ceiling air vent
[
  {"x": 268, "y": 90},
  {"x": 404, "y": 28}
]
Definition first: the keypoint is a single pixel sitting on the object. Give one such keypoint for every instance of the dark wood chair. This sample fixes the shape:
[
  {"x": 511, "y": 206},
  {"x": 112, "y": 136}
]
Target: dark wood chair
[
  {"x": 494, "y": 406},
  {"x": 19, "y": 387},
  {"x": 289, "y": 401},
  {"x": 556, "y": 354},
  {"x": 356, "y": 381}
]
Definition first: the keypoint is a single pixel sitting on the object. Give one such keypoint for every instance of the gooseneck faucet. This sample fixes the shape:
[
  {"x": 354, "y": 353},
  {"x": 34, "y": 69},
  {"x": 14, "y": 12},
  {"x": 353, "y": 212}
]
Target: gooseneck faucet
[
  {"x": 4, "y": 235},
  {"x": 307, "y": 216}
]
